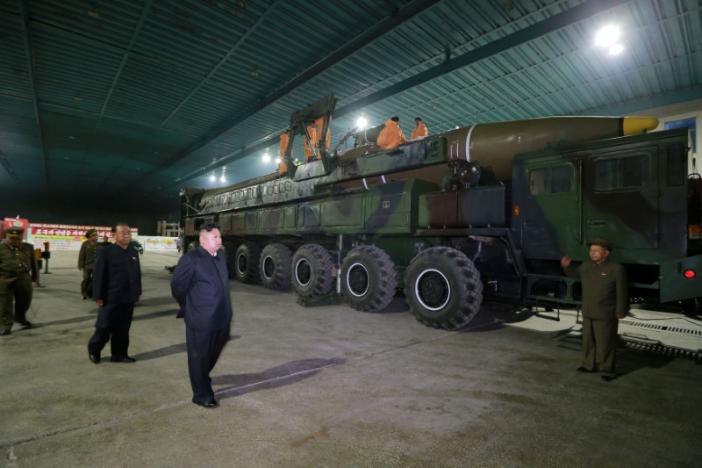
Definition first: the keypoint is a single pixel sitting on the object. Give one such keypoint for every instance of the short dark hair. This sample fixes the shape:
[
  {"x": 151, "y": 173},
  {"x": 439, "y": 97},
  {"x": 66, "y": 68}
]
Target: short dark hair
[
  {"x": 209, "y": 227},
  {"x": 395, "y": 119},
  {"x": 118, "y": 224},
  {"x": 417, "y": 119}
]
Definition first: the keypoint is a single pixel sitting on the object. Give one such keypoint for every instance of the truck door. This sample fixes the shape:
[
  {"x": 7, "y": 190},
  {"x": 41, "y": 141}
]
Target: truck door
[
  {"x": 621, "y": 197},
  {"x": 552, "y": 215}
]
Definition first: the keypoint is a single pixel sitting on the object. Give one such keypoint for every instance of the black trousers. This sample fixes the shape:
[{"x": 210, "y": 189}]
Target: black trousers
[
  {"x": 204, "y": 348},
  {"x": 112, "y": 324}
]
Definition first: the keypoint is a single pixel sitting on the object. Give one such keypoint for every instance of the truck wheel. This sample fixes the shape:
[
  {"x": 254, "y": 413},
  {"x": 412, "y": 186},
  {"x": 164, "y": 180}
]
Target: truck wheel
[
  {"x": 275, "y": 267},
  {"x": 368, "y": 278},
  {"x": 312, "y": 268},
  {"x": 443, "y": 288},
  {"x": 246, "y": 262}
]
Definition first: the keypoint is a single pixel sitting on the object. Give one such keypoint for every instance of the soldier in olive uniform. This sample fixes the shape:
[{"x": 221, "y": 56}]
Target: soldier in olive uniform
[
  {"x": 86, "y": 262},
  {"x": 605, "y": 302},
  {"x": 18, "y": 268}
]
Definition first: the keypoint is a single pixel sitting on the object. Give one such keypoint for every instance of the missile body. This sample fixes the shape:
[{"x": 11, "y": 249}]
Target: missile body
[{"x": 495, "y": 144}]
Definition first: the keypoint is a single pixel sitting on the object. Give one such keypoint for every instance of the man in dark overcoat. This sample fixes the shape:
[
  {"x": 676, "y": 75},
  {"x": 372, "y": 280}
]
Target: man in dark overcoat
[
  {"x": 200, "y": 284},
  {"x": 116, "y": 288}
]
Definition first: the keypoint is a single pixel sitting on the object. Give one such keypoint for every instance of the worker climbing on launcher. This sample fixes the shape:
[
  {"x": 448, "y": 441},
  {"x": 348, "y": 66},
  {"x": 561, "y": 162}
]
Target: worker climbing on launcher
[
  {"x": 314, "y": 133},
  {"x": 284, "y": 142},
  {"x": 420, "y": 130},
  {"x": 391, "y": 135}
]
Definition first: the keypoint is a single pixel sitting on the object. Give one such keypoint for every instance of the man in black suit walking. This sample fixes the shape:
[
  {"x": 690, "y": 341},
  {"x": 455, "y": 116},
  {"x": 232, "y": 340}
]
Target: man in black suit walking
[
  {"x": 200, "y": 284},
  {"x": 116, "y": 287}
]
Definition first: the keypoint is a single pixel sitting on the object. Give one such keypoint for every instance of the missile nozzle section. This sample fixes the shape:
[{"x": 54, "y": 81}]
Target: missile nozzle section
[{"x": 635, "y": 125}]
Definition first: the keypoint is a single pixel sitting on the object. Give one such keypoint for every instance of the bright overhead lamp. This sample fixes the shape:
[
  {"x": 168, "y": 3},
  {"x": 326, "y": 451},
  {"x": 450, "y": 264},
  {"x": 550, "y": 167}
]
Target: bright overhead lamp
[
  {"x": 222, "y": 179},
  {"x": 266, "y": 158},
  {"x": 616, "y": 49},
  {"x": 608, "y": 36},
  {"x": 278, "y": 160},
  {"x": 361, "y": 123},
  {"x": 213, "y": 178}
]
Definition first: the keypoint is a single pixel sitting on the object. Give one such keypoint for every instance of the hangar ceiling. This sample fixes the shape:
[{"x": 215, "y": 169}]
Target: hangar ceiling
[{"x": 136, "y": 99}]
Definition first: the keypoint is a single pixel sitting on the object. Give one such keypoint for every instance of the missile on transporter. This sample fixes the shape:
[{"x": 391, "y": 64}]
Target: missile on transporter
[{"x": 496, "y": 144}]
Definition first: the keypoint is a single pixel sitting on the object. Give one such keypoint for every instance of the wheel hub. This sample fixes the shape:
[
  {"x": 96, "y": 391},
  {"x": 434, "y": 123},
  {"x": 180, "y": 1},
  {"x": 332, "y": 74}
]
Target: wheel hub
[{"x": 432, "y": 289}]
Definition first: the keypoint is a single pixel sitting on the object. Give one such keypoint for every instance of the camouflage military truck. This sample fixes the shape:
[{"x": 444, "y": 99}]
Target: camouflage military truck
[{"x": 478, "y": 213}]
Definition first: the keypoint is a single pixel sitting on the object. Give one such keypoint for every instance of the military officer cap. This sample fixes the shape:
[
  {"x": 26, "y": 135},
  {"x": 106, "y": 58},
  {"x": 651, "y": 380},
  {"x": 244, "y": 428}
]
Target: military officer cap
[
  {"x": 14, "y": 230},
  {"x": 604, "y": 243}
]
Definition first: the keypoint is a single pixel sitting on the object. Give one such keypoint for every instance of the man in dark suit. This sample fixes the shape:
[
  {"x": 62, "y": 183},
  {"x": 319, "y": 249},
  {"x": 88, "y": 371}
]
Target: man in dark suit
[
  {"x": 200, "y": 284},
  {"x": 605, "y": 302},
  {"x": 116, "y": 287}
]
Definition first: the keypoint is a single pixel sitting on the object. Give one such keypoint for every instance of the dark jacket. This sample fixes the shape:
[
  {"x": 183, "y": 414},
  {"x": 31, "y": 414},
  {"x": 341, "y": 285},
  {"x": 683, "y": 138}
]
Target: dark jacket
[
  {"x": 200, "y": 284},
  {"x": 605, "y": 289},
  {"x": 117, "y": 275}
]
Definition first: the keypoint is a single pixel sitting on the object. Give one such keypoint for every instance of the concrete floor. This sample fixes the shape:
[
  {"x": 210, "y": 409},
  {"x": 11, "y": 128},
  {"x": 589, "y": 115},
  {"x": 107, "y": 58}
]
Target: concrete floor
[{"x": 329, "y": 386}]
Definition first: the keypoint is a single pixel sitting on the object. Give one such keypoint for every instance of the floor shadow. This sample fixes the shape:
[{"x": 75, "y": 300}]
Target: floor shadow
[
  {"x": 168, "y": 351},
  {"x": 397, "y": 306},
  {"x": 628, "y": 359},
  {"x": 157, "y": 314},
  {"x": 156, "y": 301},
  {"x": 484, "y": 321},
  {"x": 285, "y": 374},
  {"x": 68, "y": 321}
]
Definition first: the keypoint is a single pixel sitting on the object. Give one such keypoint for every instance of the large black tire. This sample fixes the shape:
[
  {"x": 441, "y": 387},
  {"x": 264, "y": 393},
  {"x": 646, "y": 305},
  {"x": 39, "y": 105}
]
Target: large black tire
[
  {"x": 443, "y": 288},
  {"x": 274, "y": 267},
  {"x": 368, "y": 278},
  {"x": 246, "y": 262},
  {"x": 312, "y": 271}
]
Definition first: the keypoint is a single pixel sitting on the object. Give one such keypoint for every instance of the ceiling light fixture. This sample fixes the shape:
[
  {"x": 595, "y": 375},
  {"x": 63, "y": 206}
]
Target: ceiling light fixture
[
  {"x": 616, "y": 49},
  {"x": 213, "y": 178},
  {"x": 361, "y": 123},
  {"x": 266, "y": 158},
  {"x": 608, "y": 36}
]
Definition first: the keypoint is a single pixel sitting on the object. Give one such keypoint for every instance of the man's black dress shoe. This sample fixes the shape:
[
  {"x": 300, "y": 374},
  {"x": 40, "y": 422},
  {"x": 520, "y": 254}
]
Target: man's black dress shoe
[
  {"x": 608, "y": 377},
  {"x": 207, "y": 403},
  {"x": 94, "y": 358},
  {"x": 6, "y": 332},
  {"x": 26, "y": 324},
  {"x": 122, "y": 359},
  {"x": 584, "y": 369}
]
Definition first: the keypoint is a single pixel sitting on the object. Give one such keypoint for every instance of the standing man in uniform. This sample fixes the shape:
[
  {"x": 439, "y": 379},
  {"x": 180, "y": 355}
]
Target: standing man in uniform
[
  {"x": 116, "y": 287},
  {"x": 86, "y": 262},
  {"x": 200, "y": 284},
  {"x": 18, "y": 268},
  {"x": 605, "y": 302}
]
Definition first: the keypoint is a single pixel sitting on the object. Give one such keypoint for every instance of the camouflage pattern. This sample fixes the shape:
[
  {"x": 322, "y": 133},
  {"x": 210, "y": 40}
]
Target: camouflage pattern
[{"x": 455, "y": 190}]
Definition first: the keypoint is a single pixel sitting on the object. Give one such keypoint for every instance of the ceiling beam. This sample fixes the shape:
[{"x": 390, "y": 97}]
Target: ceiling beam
[
  {"x": 346, "y": 50},
  {"x": 125, "y": 56},
  {"x": 24, "y": 19},
  {"x": 558, "y": 21},
  {"x": 224, "y": 59},
  {"x": 553, "y": 23}
]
